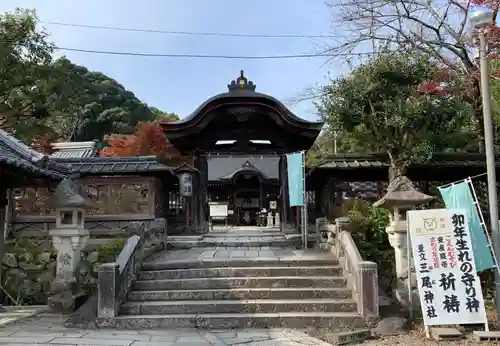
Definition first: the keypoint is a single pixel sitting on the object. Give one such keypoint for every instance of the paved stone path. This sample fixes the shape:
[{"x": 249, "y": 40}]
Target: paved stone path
[
  {"x": 48, "y": 329},
  {"x": 244, "y": 229},
  {"x": 268, "y": 253}
]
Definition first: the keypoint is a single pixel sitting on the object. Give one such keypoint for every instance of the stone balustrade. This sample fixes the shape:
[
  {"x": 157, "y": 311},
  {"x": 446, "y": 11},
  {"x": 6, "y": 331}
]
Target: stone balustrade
[
  {"x": 362, "y": 275},
  {"x": 115, "y": 279}
]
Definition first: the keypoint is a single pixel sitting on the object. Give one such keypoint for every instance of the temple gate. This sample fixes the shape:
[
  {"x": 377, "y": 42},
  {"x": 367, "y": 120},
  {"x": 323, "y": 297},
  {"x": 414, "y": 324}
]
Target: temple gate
[{"x": 238, "y": 141}]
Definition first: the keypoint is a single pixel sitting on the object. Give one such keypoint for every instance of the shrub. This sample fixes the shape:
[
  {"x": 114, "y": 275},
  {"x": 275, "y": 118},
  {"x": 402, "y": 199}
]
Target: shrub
[{"x": 368, "y": 232}]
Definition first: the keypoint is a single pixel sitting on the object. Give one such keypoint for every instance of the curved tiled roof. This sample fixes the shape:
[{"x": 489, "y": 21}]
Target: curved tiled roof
[
  {"x": 242, "y": 88},
  {"x": 16, "y": 154},
  {"x": 247, "y": 94},
  {"x": 114, "y": 165}
]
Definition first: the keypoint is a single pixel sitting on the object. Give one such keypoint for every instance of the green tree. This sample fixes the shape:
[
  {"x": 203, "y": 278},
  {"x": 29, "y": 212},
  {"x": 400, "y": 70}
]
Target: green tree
[
  {"x": 25, "y": 54},
  {"x": 43, "y": 100},
  {"x": 381, "y": 104},
  {"x": 158, "y": 114},
  {"x": 88, "y": 105},
  {"x": 331, "y": 142}
]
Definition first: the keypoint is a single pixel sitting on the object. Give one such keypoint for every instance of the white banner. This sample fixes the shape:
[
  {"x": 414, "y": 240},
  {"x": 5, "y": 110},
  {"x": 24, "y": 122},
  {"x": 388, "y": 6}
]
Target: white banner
[{"x": 448, "y": 284}]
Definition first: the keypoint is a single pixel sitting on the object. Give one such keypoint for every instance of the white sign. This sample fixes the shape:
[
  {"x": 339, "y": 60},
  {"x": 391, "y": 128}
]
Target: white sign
[
  {"x": 448, "y": 284},
  {"x": 273, "y": 205},
  {"x": 186, "y": 184},
  {"x": 218, "y": 210}
]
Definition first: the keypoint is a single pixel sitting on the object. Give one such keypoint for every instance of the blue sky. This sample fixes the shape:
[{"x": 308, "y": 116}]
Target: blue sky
[{"x": 180, "y": 85}]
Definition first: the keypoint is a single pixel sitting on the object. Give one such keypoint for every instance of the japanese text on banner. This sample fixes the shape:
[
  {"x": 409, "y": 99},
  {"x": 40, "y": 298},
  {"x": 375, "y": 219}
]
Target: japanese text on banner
[{"x": 448, "y": 285}]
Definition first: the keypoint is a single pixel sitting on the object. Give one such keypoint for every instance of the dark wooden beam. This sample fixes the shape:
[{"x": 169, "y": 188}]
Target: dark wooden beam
[{"x": 420, "y": 173}]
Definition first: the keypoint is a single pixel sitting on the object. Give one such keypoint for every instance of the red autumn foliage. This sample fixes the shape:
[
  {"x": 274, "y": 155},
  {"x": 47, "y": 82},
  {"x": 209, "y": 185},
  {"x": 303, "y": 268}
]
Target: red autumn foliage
[
  {"x": 434, "y": 87},
  {"x": 440, "y": 85},
  {"x": 148, "y": 139}
]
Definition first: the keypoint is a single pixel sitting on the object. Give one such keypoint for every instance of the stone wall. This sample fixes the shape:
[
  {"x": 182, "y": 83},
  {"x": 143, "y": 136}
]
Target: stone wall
[{"x": 29, "y": 268}]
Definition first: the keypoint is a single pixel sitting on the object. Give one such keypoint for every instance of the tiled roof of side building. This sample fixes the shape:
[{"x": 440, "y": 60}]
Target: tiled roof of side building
[
  {"x": 114, "y": 165},
  {"x": 68, "y": 150},
  {"x": 16, "y": 154},
  {"x": 353, "y": 161}
]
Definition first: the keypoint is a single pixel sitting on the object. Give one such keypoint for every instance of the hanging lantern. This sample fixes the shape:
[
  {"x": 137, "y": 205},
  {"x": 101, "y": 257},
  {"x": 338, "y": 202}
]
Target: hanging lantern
[{"x": 186, "y": 184}]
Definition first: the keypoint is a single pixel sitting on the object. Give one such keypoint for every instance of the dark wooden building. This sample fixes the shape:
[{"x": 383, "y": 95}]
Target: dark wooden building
[
  {"x": 248, "y": 183},
  {"x": 238, "y": 140}
]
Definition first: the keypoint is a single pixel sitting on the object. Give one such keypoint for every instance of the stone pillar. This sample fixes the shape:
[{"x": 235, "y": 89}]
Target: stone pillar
[
  {"x": 398, "y": 238},
  {"x": 343, "y": 224},
  {"x": 320, "y": 224},
  {"x": 107, "y": 302},
  {"x": 159, "y": 232}
]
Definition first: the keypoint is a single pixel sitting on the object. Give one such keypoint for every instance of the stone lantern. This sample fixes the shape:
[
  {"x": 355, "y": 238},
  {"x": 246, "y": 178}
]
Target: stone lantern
[
  {"x": 401, "y": 196},
  {"x": 69, "y": 238}
]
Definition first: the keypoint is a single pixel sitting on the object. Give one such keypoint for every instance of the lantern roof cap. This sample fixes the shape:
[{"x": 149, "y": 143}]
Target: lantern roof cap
[
  {"x": 70, "y": 194},
  {"x": 185, "y": 168},
  {"x": 402, "y": 192}
]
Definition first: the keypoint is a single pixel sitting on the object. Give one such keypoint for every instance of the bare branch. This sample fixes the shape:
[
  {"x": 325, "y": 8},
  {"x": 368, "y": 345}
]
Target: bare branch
[{"x": 431, "y": 26}]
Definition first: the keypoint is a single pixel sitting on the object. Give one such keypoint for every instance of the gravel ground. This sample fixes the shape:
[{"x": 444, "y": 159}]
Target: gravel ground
[
  {"x": 418, "y": 340},
  {"x": 417, "y": 335}
]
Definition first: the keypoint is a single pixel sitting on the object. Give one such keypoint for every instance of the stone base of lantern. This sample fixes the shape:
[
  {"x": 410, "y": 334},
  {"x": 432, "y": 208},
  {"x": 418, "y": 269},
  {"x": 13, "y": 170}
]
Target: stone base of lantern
[
  {"x": 398, "y": 238},
  {"x": 403, "y": 298},
  {"x": 64, "y": 293},
  {"x": 64, "y": 296}
]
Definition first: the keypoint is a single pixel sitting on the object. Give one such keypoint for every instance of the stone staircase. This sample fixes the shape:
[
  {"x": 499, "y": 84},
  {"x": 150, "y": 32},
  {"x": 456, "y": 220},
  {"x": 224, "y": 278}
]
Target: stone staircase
[
  {"x": 233, "y": 239},
  {"x": 285, "y": 292}
]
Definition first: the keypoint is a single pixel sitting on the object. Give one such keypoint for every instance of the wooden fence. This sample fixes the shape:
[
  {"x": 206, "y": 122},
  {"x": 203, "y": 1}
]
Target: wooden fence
[{"x": 118, "y": 200}]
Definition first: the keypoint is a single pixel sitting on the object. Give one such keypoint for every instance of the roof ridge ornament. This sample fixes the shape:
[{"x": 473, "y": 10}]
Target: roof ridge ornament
[
  {"x": 247, "y": 164},
  {"x": 242, "y": 83}
]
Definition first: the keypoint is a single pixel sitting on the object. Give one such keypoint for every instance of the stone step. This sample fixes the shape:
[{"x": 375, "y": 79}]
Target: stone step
[
  {"x": 237, "y": 306},
  {"x": 233, "y": 242},
  {"x": 241, "y": 262},
  {"x": 239, "y": 272},
  {"x": 245, "y": 234},
  {"x": 240, "y": 282},
  {"x": 243, "y": 293},
  {"x": 335, "y": 321}
]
